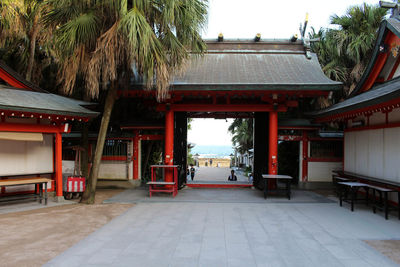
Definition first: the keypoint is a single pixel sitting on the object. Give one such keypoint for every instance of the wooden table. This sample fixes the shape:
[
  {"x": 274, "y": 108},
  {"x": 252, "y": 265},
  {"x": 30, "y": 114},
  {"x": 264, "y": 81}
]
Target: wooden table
[
  {"x": 286, "y": 178},
  {"x": 163, "y": 186},
  {"x": 42, "y": 182},
  {"x": 354, "y": 187}
]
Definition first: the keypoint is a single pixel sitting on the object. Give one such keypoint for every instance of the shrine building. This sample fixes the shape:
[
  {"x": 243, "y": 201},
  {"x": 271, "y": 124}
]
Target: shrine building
[
  {"x": 243, "y": 79},
  {"x": 31, "y": 127},
  {"x": 371, "y": 116}
]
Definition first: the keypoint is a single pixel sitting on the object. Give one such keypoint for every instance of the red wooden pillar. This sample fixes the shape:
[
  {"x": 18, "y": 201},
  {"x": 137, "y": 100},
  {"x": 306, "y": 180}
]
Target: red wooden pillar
[
  {"x": 136, "y": 141},
  {"x": 169, "y": 144},
  {"x": 273, "y": 147},
  {"x": 304, "y": 168},
  {"x": 273, "y": 143},
  {"x": 58, "y": 165}
]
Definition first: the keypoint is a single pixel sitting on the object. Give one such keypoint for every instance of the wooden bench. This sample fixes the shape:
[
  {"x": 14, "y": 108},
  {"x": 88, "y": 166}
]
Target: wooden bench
[
  {"x": 382, "y": 186},
  {"x": 336, "y": 179},
  {"x": 383, "y": 204},
  {"x": 163, "y": 186},
  {"x": 42, "y": 182},
  {"x": 353, "y": 187}
]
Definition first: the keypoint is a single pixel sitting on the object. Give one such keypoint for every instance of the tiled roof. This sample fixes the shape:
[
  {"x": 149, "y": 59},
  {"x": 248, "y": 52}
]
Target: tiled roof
[
  {"x": 254, "y": 66},
  {"x": 41, "y": 102},
  {"x": 379, "y": 94}
]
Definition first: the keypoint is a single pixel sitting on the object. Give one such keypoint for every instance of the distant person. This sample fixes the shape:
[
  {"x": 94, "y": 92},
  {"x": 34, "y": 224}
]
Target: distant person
[
  {"x": 251, "y": 177},
  {"x": 232, "y": 177},
  {"x": 210, "y": 162},
  {"x": 192, "y": 171}
]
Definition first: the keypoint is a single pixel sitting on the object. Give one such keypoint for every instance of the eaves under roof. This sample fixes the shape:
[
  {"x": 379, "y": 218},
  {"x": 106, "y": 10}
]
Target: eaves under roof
[
  {"x": 392, "y": 24},
  {"x": 245, "y": 65},
  {"x": 383, "y": 93},
  {"x": 13, "y": 99}
]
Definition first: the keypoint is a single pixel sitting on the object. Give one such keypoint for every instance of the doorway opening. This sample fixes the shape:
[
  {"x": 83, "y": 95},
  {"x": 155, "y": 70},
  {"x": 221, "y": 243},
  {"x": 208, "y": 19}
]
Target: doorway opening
[
  {"x": 289, "y": 159},
  {"x": 212, "y": 157}
]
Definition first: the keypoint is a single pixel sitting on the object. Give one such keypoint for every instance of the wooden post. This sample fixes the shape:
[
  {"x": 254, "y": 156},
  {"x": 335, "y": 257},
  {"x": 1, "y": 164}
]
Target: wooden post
[
  {"x": 304, "y": 174},
  {"x": 58, "y": 165},
  {"x": 169, "y": 144},
  {"x": 273, "y": 143},
  {"x": 136, "y": 162}
]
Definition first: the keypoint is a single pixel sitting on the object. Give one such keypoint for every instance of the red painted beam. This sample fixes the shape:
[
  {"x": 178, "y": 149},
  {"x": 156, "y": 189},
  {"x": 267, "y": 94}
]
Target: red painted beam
[
  {"x": 389, "y": 105},
  {"x": 34, "y": 128},
  {"x": 9, "y": 79},
  {"x": 380, "y": 63},
  {"x": 221, "y": 108},
  {"x": 148, "y": 137},
  {"x": 114, "y": 158},
  {"x": 52, "y": 117}
]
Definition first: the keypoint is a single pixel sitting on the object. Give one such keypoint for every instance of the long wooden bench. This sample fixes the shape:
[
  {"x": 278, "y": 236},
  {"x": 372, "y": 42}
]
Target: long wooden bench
[
  {"x": 42, "y": 182},
  {"x": 382, "y": 186}
]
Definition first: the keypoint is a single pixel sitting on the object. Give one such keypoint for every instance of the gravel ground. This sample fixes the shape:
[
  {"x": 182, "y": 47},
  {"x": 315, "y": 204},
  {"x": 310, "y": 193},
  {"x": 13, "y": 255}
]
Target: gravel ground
[
  {"x": 31, "y": 238},
  {"x": 389, "y": 248}
]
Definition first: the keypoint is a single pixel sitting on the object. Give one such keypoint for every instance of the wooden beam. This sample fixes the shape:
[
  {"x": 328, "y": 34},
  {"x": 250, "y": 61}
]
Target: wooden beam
[
  {"x": 222, "y": 108},
  {"x": 34, "y": 128}
]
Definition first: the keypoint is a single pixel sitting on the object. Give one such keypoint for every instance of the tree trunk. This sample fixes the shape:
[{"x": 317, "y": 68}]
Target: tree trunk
[
  {"x": 148, "y": 152},
  {"x": 32, "y": 47},
  {"x": 89, "y": 194}
]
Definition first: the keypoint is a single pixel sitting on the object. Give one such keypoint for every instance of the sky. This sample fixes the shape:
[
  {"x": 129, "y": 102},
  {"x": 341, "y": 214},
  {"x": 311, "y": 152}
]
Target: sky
[
  {"x": 274, "y": 20},
  {"x": 271, "y": 18}
]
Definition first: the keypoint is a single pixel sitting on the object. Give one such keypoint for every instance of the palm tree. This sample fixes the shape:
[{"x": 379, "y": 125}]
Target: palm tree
[
  {"x": 344, "y": 52},
  {"x": 23, "y": 33},
  {"x": 242, "y": 130},
  {"x": 356, "y": 37},
  {"x": 104, "y": 40}
]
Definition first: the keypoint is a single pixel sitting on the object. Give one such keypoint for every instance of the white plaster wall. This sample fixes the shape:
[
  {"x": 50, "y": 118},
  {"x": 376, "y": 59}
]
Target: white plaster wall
[
  {"x": 114, "y": 170},
  {"x": 26, "y": 157},
  {"x": 350, "y": 152},
  {"x": 374, "y": 153},
  {"x": 322, "y": 171}
]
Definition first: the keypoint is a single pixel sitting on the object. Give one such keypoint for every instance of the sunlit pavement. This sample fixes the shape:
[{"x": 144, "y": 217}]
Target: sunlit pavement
[
  {"x": 215, "y": 174},
  {"x": 240, "y": 229}
]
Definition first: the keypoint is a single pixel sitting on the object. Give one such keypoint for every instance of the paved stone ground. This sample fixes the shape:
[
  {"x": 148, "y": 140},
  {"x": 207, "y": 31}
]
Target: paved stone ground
[
  {"x": 216, "y": 175},
  {"x": 212, "y": 233},
  {"x": 28, "y": 204},
  {"x": 217, "y": 195}
]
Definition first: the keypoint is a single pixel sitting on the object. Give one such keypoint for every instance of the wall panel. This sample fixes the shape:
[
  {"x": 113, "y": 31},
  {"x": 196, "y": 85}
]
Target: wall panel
[
  {"x": 374, "y": 153},
  {"x": 26, "y": 157}
]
